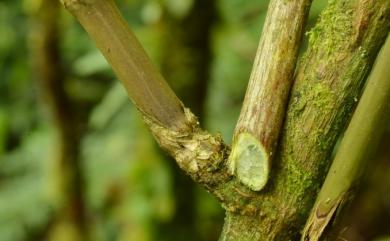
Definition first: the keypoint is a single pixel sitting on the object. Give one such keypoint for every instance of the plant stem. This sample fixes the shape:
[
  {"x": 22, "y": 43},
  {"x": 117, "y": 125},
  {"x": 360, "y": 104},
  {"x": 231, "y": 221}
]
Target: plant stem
[
  {"x": 360, "y": 140},
  {"x": 144, "y": 84},
  {"x": 329, "y": 80},
  {"x": 175, "y": 128},
  {"x": 263, "y": 110}
]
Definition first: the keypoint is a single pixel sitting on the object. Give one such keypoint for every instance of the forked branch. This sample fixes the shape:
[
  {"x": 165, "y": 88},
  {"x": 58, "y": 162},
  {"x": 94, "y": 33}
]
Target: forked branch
[{"x": 342, "y": 48}]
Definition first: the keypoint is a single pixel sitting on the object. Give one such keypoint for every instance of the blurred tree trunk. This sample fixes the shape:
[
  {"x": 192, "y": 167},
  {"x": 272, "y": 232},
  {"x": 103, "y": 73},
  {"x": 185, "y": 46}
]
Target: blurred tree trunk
[
  {"x": 45, "y": 38},
  {"x": 188, "y": 70}
]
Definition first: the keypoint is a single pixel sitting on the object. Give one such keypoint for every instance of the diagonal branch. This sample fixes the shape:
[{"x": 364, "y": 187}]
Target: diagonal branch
[
  {"x": 176, "y": 129},
  {"x": 144, "y": 84},
  {"x": 262, "y": 114}
]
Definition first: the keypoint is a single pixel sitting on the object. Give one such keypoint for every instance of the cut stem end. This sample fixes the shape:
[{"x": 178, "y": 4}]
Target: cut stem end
[{"x": 249, "y": 161}]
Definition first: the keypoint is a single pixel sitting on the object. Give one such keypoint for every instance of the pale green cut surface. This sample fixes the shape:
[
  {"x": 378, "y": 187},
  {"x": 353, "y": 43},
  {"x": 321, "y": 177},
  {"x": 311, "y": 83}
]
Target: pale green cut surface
[{"x": 249, "y": 162}]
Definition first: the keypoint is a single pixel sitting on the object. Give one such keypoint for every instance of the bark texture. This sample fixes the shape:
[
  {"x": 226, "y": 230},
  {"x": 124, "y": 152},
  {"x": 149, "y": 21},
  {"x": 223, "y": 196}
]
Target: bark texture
[
  {"x": 201, "y": 155},
  {"x": 266, "y": 97},
  {"x": 343, "y": 46},
  {"x": 359, "y": 142}
]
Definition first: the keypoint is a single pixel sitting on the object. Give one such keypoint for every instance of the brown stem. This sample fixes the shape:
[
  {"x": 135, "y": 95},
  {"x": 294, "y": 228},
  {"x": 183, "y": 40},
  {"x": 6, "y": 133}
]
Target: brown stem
[
  {"x": 263, "y": 111},
  {"x": 177, "y": 130},
  {"x": 144, "y": 84}
]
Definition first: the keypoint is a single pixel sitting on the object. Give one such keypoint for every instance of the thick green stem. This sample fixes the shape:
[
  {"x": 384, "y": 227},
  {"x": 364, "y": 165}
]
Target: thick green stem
[
  {"x": 360, "y": 139},
  {"x": 262, "y": 114}
]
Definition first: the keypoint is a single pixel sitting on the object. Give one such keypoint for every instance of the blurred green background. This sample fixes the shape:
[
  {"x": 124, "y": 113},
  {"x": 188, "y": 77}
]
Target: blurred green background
[{"x": 77, "y": 163}]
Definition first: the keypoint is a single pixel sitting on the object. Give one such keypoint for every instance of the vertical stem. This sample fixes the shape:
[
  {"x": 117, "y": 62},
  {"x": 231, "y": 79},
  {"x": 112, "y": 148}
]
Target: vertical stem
[{"x": 262, "y": 114}]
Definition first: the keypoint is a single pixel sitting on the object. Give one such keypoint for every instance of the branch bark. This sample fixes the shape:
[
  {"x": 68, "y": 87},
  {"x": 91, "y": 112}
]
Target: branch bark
[
  {"x": 342, "y": 49},
  {"x": 360, "y": 140},
  {"x": 144, "y": 84},
  {"x": 177, "y": 130},
  {"x": 263, "y": 110}
]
